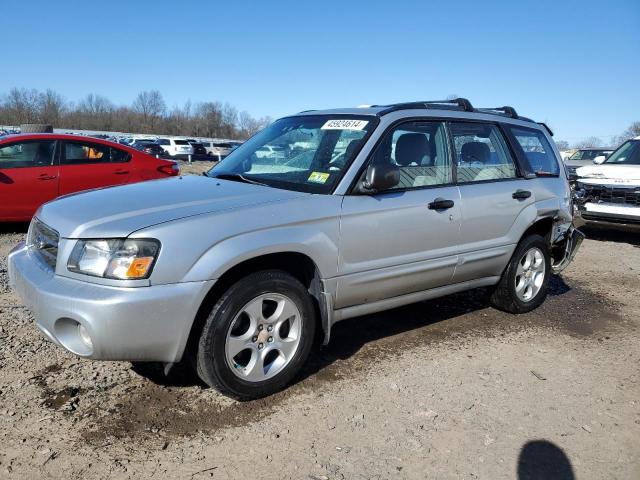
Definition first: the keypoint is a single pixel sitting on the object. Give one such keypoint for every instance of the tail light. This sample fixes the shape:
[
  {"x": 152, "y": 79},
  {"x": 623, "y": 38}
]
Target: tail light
[{"x": 170, "y": 169}]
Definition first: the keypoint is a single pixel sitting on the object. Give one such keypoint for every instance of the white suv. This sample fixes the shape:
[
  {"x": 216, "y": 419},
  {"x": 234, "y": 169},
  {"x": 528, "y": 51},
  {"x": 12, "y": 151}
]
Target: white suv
[
  {"x": 176, "y": 147},
  {"x": 610, "y": 191}
]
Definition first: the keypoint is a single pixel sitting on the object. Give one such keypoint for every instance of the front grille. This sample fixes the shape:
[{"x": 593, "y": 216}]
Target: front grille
[
  {"x": 43, "y": 240},
  {"x": 622, "y": 195}
]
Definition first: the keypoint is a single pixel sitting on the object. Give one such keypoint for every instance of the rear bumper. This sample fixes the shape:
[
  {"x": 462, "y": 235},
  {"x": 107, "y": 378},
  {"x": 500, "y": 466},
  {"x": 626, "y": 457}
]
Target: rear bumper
[{"x": 133, "y": 323}]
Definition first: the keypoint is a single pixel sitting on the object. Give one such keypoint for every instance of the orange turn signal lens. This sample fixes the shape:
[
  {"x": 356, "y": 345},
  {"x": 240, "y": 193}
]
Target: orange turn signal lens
[{"x": 139, "y": 267}]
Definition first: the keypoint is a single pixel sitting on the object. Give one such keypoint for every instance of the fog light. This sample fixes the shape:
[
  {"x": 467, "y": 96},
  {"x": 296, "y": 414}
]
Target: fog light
[{"x": 84, "y": 335}]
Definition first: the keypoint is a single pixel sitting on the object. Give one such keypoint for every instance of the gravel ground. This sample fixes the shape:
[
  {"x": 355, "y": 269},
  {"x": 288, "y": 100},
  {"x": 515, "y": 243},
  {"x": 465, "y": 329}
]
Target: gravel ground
[{"x": 449, "y": 388}]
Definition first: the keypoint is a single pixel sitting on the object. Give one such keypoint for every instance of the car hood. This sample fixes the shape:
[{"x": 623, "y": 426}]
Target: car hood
[
  {"x": 116, "y": 212},
  {"x": 578, "y": 163},
  {"x": 610, "y": 174}
]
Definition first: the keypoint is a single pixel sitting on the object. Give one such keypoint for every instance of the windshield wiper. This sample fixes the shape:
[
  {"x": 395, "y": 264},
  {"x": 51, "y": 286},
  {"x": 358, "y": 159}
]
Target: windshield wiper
[{"x": 238, "y": 177}]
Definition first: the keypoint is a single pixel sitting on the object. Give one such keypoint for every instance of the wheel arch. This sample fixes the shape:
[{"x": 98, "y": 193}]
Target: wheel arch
[
  {"x": 299, "y": 265},
  {"x": 542, "y": 226}
]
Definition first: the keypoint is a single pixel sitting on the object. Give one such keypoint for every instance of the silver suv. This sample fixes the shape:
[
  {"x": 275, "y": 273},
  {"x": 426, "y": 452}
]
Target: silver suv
[{"x": 241, "y": 269}]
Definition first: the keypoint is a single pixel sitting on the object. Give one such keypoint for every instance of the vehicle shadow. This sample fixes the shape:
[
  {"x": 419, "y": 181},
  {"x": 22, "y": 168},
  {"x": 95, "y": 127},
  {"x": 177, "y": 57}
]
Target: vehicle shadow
[
  {"x": 541, "y": 459},
  {"x": 606, "y": 233},
  {"x": 14, "y": 227},
  {"x": 350, "y": 336}
]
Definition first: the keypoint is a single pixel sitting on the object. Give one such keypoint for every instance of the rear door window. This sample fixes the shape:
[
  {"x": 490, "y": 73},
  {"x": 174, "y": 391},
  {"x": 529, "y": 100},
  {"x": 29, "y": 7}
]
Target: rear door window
[
  {"x": 538, "y": 151},
  {"x": 481, "y": 153},
  {"x": 80, "y": 153},
  {"x": 35, "y": 153}
]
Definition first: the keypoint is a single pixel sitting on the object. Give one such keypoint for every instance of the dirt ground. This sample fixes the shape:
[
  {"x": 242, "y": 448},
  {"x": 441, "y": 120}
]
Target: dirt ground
[{"x": 449, "y": 388}]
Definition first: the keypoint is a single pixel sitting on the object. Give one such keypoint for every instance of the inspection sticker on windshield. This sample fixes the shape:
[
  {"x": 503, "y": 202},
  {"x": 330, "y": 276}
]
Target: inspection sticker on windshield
[
  {"x": 318, "y": 177},
  {"x": 344, "y": 124}
]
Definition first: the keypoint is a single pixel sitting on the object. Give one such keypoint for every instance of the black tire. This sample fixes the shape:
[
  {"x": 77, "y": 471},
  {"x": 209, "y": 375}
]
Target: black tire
[
  {"x": 504, "y": 295},
  {"x": 211, "y": 363}
]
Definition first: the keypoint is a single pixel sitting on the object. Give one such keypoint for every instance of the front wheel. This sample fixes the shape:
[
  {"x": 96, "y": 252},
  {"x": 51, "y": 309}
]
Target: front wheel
[
  {"x": 524, "y": 283},
  {"x": 257, "y": 336}
]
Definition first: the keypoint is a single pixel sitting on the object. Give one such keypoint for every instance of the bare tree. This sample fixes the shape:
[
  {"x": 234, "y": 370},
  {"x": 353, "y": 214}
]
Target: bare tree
[
  {"x": 588, "y": 143},
  {"x": 151, "y": 106},
  {"x": 562, "y": 144},
  {"x": 22, "y": 106},
  {"x": 52, "y": 107},
  {"x": 148, "y": 114}
]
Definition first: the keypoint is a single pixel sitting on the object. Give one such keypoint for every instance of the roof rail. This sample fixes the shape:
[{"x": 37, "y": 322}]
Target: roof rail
[
  {"x": 546, "y": 128},
  {"x": 509, "y": 111},
  {"x": 458, "y": 103}
]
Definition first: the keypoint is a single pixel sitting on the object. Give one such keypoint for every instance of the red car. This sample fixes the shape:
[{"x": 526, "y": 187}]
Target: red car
[{"x": 36, "y": 168}]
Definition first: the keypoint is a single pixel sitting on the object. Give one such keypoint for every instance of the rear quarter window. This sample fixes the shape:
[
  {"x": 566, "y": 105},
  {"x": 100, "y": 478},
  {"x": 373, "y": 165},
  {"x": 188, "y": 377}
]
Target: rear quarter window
[
  {"x": 120, "y": 156},
  {"x": 538, "y": 151}
]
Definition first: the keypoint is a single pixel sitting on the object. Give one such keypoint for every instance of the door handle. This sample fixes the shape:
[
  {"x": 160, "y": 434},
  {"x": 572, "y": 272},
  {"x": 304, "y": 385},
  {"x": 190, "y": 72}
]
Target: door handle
[
  {"x": 45, "y": 176},
  {"x": 521, "y": 194},
  {"x": 440, "y": 204},
  {"x": 121, "y": 172}
]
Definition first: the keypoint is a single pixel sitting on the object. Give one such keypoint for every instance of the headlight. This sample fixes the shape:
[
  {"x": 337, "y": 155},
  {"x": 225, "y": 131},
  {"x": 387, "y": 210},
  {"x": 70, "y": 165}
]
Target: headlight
[{"x": 124, "y": 259}]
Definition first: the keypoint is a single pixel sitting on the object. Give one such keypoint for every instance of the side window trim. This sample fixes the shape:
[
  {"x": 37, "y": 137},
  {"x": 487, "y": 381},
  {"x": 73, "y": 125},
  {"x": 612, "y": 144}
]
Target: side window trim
[
  {"x": 511, "y": 154},
  {"x": 394, "y": 126}
]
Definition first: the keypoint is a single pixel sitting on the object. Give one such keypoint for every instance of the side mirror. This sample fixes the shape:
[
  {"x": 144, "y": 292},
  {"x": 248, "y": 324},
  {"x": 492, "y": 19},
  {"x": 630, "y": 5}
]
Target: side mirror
[
  {"x": 599, "y": 159},
  {"x": 381, "y": 177}
]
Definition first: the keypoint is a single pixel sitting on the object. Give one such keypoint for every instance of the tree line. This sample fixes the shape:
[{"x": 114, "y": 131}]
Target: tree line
[
  {"x": 147, "y": 114},
  {"x": 631, "y": 132}
]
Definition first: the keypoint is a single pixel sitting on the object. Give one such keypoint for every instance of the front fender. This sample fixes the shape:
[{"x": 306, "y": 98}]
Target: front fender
[{"x": 320, "y": 243}]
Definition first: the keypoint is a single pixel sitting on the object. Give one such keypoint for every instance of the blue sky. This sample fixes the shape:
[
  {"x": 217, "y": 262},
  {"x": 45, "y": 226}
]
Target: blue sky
[{"x": 573, "y": 64}]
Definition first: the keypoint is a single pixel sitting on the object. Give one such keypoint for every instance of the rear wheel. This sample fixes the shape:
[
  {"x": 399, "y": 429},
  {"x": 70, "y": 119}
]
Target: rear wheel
[
  {"x": 524, "y": 283},
  {"x": 257, "y": 336}
]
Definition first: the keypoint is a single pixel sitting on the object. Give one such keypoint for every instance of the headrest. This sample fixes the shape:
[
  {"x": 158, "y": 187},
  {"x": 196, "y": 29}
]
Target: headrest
[
  {"x": 351, "y": 148},
  {"x": 475, "y": 152},
  {"x": 412, "y": 147}
]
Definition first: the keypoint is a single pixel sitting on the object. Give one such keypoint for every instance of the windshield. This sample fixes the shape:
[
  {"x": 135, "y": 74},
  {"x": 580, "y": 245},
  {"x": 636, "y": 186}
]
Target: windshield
[
  {"x": 627, "y": 154},
  {"x": 305, "y": 153}
]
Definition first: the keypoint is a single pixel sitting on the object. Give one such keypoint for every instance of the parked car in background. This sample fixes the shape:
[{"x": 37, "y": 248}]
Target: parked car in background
[
  {"x": 36, "y": 168},
  {"x": 140, "y": 144},
  {"x": 583, "y": 157},
  {"x": 243, "y": 269},
  {"x": 218, "y": 149},
  {"x": 198, "y": 149},
  {"x": 153, "y": 149},
  {"x": 274, "y": 151},
  {"x": 610, "y": 192},
  {"x": 175, "y": 147}
]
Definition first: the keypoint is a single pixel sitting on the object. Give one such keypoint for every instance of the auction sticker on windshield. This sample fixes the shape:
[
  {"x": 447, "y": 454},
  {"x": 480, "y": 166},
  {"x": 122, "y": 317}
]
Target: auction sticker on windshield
[
  {"x": 318, "y": 177},
  {"x": 344, "y": 124}
]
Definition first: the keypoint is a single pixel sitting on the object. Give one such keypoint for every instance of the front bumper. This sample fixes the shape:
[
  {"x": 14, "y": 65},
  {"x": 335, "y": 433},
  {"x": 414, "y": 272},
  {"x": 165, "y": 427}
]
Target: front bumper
[
  {"x": 124, "y": 323},
  {"x": 610, "y": 212}
]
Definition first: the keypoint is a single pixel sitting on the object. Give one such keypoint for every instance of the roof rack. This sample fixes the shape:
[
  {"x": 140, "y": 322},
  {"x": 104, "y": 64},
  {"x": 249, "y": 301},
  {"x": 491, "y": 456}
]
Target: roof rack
[
  {"x": 509, "y": 111},
  {"x": 457, "y": 103},
  {"x": 453, "y": 104}
]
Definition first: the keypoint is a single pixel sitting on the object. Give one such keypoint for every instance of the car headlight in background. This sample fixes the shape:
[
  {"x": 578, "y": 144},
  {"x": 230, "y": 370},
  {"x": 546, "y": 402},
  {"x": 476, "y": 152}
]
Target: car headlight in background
[{"x": 124, "y": 259}]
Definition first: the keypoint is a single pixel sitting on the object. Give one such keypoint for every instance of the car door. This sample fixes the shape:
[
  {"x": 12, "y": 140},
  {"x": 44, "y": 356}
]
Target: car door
[
  {"x": 493, "y": 196},
  {"x": 404, "y": 239},
  {"x": 85, "y": 165},
  {"x": 28, "y": 177}
]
